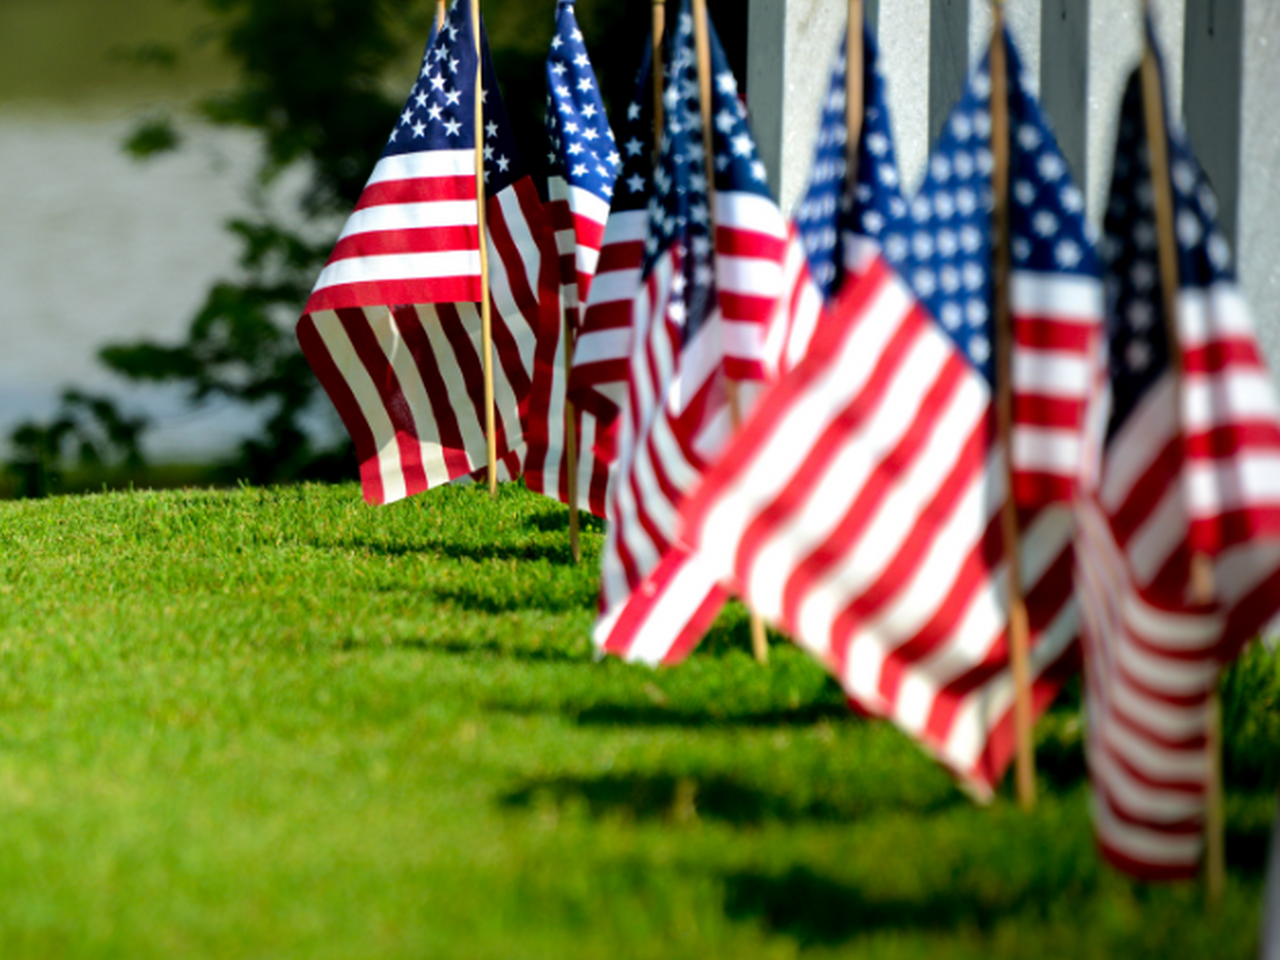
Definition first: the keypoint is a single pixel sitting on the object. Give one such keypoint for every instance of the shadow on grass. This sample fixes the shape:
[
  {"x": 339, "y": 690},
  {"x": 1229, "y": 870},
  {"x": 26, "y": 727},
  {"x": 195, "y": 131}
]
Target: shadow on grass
[
  {"x": 642, "y": 715},
  {"x": 816, "y": 910},
  {"x": 557, "y": 553},
  {"x": 671, "y": 798},
  {"x": 478, "y": 648},
  {"x": 556, "y": 521}
]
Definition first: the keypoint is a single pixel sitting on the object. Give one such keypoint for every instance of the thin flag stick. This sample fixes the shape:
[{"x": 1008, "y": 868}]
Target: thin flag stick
[
  {"x": 853, "y": 92},
  {"x": 702, "y": 43},
  {"x": 1019, "y": 623},
  {"x": 659, "y": 29},
  {"x": 1201, "y": 573},
  {"x": 441, "y": 13},
  {"x": 571, "y": 441},
  {"x": 486, "y": 313}
]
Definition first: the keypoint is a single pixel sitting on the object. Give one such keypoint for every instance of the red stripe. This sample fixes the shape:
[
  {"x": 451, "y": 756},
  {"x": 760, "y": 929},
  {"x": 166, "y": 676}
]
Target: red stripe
[
  {"x": 453, "y": 448},
  {"x": 621, "y": 255},
  {"x": 460, "y": 289},
  {"x": 971, "y": 575},
  {"x": 1051, "y": 333},
  {"x": 390, "y": 242},
  {"x": 1234, "y": 440},
  {"x": 418, "y": 190},
  {"x": 589, "y": 231},
  {"x": 862, "y": 407},
  {"x": 1038, "y": 410},
  {"x": 1146, "y": 493},
  {"x": 743, "y": 307},
  {"x": 775, "y": 405},
  {"x": 1223, "y": 357},
  {"x": 335, "y": 385},
  {"x": 738, "y": 242},
  {"x": 389, "y": 389}
]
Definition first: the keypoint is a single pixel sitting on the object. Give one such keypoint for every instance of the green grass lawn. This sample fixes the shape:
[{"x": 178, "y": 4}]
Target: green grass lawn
[{"x": 283, "y": 724}]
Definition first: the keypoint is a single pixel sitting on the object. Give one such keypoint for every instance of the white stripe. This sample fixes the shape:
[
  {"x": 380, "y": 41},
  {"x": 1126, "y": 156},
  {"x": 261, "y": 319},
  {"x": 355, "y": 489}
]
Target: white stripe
[
  {"x": 773, "y": 465},
  {"x": 403, "y": 266},
  {"x": 383, "y": 326},
  {"x": 614, "y": 285},
  {"x": 1163, "y": 533},
  {"x": 1213, "y": 400},
  {"x": 1247, "y": 479},
  {"x": 1062, "y": 297},
  {"x": 1150, "y": 802},
  {"x": 586, "y": 204},
  {"x": 1051, "y": 373},
  {"x": 899, "y": 512},
  {"x": 396, "y": 217},
  {"x": 357, "y": 379},
  {"x": 597, "y": 345},
  {"x": 672, "y": 611},
  {"x": 1046, "y": 449},
  {"x": 446, "y": 352},
  {"x": 986, "y": 706},
  {"x": 1218, "y": 312},
  {"x": 1144, "y": 435},
  {"x": 749, "y": 211},
  {"x": 428, "y": 163},
  {"x": 749, "y": 276},
  {"x": 1144, "y": 846}
]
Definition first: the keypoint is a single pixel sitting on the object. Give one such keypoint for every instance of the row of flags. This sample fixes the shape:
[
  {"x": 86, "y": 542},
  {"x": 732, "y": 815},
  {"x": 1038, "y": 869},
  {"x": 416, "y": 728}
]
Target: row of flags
[{"x": 802, "y": 412}]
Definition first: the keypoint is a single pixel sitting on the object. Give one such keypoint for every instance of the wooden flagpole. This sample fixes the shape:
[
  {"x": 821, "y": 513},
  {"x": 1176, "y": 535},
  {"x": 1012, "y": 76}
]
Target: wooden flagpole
[
  {"x": 486, "y": 313},
  {"x": 1201, "y": 573},
  {"x": 659, "y": 30},
  {"x": 441, "y": 13},
  {"x": 853, "y": 92},
  {"x": 702, "y": 41},
  {"x": 571, "y": 437},
  {"x": 1019, "y": 623}
]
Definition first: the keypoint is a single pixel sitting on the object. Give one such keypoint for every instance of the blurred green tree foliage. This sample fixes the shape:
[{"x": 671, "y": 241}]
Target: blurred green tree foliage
[{"x": 322, "y": 82}]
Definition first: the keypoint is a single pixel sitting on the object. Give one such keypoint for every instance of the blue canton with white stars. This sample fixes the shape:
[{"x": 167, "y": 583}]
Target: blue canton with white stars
[
  {"x": 1138, "y": 342},
  {"x": 829, "y": 207},
  {"x": 631, "y": 189},
  {"x": 945, "y": 255},
  {"x": 679, "y": 209},
  {"x": 440, "y": 111},
  {"x": 582, "y": 145}
]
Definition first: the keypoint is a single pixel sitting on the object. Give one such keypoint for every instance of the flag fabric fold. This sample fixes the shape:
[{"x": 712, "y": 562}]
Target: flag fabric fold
[
  {"x": 602, "y": 350},
  {"x": 584, "y": 161},
  {"x": 1187, "y": 467},
  {"x": 392, "y": 328},
  {"x": 829, "y": 245},
  {"x": 859, "y": 509},
  {"x": 711, "y": 275}
]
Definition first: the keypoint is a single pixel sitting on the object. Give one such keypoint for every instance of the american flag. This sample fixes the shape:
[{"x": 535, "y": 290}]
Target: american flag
[
  {"x": 711, "y": 279},
  {"x": 601, "y": 357},
  {"x": 584, "y": 161},
  {"x": 1203, "y": 479},
  {"x": 392, "y": 328},
  {"x": 944, "y": 251},
  {"x": 833, "y": 219},
  {"x": 830, "y": 246},
  {"x": 859, "y": 509}
]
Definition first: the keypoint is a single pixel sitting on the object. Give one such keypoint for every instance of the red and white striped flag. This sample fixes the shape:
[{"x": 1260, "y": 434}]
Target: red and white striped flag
[
  {"x": 602, "y": 351},
  {"x": 829, "y": 245},
  {"x": 1171, "y": 484},
  {"x": 859, "y": 511},
  {"x": 584, "y": 162},
  {"x": 392, "y": 328},
  {"x": 707, "y": 293}
]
